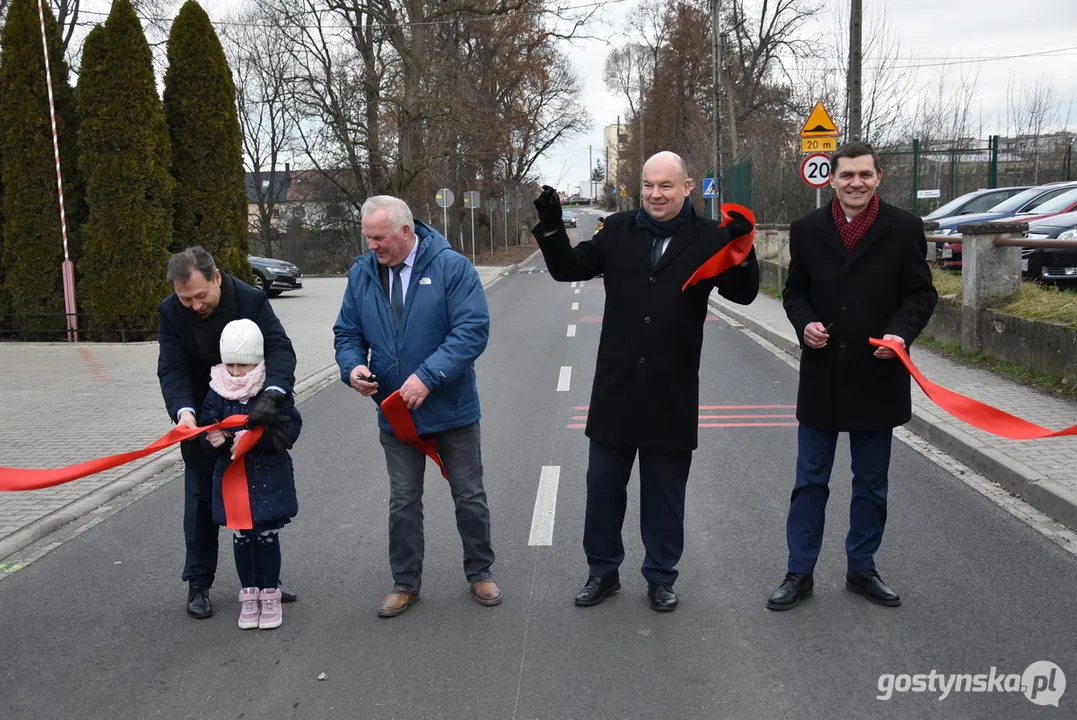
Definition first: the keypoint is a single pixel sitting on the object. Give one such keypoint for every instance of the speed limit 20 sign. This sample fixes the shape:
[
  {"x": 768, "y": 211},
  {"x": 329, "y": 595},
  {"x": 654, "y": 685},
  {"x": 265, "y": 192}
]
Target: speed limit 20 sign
[{"x": 815, "y": 170}]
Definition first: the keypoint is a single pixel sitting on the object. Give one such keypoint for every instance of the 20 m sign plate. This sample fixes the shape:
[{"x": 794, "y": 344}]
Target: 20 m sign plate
[{"x": 815, "y": 170}]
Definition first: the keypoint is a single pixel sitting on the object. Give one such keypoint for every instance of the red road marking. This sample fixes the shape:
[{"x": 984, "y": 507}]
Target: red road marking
[
  {"x": 719, "y": 417},
  {"x": 598, "y": 319},
  {"x": 714, "y": 425},
  {"x": 724, "y": 407},
  {"x": 95, "y": 367}
]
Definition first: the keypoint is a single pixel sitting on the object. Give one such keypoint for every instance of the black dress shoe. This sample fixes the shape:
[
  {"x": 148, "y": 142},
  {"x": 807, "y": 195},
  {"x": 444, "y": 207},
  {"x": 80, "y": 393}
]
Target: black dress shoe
[
  {"x": 596, "y": 590},
  {"x": 793, "y": 589},
  {"x": 286, "y": 593},
  {"x": 662, "y": 597},
  {"x": 870, "y": 585},
  {"x": 198, "y": 604}
]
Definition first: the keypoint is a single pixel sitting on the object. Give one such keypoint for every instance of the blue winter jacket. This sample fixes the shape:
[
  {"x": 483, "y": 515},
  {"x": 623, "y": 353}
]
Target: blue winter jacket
[
  {"x": 446, "y": 327},
  {"x": 270, "y": 475}
]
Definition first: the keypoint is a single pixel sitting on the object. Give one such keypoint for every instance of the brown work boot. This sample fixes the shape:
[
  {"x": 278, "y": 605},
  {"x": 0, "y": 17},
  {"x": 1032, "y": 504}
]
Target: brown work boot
[
  {"x": 397, "y": 602},
  {"x": 486, "y": 592}
]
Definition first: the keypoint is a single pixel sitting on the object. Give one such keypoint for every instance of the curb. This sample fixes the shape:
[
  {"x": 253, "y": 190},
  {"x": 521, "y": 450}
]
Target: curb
[
  {"x": 1044, "y": 494},
  {"x": 509, "y": 269},
  {"x": 167, "y": 462}
]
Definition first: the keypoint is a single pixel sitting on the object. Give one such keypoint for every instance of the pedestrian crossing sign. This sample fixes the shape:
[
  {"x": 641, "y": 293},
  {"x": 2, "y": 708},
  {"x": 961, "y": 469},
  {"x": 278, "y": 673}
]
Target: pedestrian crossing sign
[{"x": 708, "y": 188}]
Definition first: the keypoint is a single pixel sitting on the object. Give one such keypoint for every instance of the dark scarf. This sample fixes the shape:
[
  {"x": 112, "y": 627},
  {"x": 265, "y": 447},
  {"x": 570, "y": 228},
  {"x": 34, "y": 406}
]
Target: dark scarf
[
  {"x": 652, "y": 228},
  {"x": 207, "y": 330},
  {"x": 853, "y": 232}
]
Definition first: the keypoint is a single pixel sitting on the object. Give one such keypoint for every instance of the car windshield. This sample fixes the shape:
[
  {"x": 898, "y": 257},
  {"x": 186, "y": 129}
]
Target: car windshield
[
  {"x": 569, "y": 214},
  {"x": 1015, "y": 203},
  {"x": 1057, "y": 204},
  {"x": 950, "y": 208}
]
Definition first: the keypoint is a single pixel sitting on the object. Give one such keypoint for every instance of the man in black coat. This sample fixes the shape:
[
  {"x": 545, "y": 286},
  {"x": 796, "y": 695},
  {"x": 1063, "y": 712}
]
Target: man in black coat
[
  {"x": 190, "y": 323},
  {"x": 645, "y": 395},
  {"x": 857, "y": 271}
]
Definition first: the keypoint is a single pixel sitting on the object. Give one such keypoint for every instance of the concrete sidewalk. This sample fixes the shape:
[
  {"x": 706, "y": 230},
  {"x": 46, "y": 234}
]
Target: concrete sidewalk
[
  {"x": 1043, "y": 473},
  {"x": 62, "y": 404}
]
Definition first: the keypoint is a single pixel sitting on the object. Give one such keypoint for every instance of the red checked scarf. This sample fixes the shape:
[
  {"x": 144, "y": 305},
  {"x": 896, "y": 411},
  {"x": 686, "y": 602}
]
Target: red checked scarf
[{"x": 853, "y": 232}]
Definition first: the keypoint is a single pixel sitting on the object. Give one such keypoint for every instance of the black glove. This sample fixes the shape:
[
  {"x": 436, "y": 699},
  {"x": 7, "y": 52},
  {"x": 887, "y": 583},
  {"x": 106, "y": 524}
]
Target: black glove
[
  {"x": 266, "y": 408},
  {"x": 738, "y": 226},
  {"x": 548, "y": 205},
  {"x": 278, "y": 435}
]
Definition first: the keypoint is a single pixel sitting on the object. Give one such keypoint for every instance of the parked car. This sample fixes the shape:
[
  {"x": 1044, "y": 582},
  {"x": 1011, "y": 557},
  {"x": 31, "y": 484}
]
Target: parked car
[
  {"x": 1051, "y": 263},
  {"x": 1026, "y": 201},
  {"x": 976, "y": 201},
  {"x": 569, "y": 217},
  {"x": 1059, "y": 204},
  {"x": 274, "y": 276}
]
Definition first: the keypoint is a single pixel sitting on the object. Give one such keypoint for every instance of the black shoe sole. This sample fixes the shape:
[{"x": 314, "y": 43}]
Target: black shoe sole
[
  {"x": 790, "y": 606},
  {"x": 663, "y": 608},
  {"x": 600, "y": 597},
  {"x": 884, "y": 603}
]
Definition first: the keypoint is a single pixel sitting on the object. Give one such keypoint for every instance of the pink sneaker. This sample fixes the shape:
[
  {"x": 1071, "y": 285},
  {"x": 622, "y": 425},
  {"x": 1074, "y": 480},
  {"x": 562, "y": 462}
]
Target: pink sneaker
[
  {"x": 271, "y": 616},
  {"x": 249, "y": 614}
]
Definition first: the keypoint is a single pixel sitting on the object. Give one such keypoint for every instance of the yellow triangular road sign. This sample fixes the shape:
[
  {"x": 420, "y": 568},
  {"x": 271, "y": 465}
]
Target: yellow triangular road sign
[{"x": 819, "y": 124}]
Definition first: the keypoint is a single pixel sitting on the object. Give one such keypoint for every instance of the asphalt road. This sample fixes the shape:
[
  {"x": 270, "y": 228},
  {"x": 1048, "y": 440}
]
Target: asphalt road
[{"x": 96, "y": 627}]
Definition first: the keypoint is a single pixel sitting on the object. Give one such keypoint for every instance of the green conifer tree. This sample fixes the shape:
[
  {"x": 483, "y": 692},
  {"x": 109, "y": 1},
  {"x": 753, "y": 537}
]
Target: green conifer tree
[
  {"x": 124, "y": 156},
  {"x": 207, "y": 144},
  {"x": 32, "y": 247}
]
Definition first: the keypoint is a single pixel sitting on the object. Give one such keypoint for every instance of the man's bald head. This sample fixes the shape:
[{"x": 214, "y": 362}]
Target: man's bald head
[
  {"x": 665, "y": 185},
  {"x": 668, "y": 159}
]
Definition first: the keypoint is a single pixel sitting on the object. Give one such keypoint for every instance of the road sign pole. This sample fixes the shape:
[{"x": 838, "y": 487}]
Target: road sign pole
[
  {"x": 818, "y": 198},
  {"x": 445, "y": 219},
  {"x": 472, "y": 234}
]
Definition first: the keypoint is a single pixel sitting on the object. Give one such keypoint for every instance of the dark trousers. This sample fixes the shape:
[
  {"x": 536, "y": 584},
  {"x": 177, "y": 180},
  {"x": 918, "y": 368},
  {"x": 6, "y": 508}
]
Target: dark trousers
[
  {"x": 867, "y": 509},
  {"x": 461, "y": 452},
  {"x": 199, "y": 530},
  {"x": 663, "y": 479}
]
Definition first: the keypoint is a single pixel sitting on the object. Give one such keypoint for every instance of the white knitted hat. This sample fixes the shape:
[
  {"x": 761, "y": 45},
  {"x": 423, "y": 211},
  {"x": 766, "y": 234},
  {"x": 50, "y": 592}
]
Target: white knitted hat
[{"x": 241, "y": 342}]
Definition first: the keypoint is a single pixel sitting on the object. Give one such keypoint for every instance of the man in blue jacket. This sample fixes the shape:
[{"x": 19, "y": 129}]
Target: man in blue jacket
[
  {"x": 417, "y": 309},
  {"x": 191, "y": 320}
]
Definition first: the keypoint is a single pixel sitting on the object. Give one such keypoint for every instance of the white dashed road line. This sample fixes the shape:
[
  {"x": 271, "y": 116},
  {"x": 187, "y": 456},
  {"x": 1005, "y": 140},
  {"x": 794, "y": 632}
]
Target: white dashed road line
[
  {"x": 564, "y": 379},
  {"x": 571, "y": 331},
  {"x": 545, "y": 506}
]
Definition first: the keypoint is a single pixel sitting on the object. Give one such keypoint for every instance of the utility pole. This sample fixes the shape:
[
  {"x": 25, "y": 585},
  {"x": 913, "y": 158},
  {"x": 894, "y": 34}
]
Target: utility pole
[
  {"x": 853, "y": 79},
  {"x": 590, "y": 175},
  {"x": 641, "y": 160},
  {"x": 716, "y": 64}
]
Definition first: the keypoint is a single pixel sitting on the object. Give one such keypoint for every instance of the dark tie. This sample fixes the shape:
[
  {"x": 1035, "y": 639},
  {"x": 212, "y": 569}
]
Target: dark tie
[
  {"x": 396, "y": 297},
  {"x": 656, "y": 252}
]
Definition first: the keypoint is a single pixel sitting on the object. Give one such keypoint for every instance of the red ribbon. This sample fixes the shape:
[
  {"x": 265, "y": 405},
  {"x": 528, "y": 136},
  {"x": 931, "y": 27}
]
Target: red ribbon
[
  {"x": 973, "y": 412},
  {"x": 732, "y": 254},
  {"x": 237, "y": 505},
  {"x": 396, "y": 412}
]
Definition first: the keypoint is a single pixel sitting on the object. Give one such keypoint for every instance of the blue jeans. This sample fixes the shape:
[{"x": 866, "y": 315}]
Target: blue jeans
[
  {"x": 867, "y": 510},
  {"x": 461, "y": 452}
]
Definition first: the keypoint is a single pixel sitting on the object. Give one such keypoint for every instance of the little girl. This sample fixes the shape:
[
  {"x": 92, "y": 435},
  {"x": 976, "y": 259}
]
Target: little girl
[{"x": 270, "y": 475}]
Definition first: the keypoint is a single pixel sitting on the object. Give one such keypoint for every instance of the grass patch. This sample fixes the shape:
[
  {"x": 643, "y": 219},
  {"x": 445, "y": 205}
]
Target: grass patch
[
  {"x": 772, "y": 292},
  {"x": 947, "y": 282},
  {"x": 1043, "y": 302},
  {"x": 1052, "y": 384}
]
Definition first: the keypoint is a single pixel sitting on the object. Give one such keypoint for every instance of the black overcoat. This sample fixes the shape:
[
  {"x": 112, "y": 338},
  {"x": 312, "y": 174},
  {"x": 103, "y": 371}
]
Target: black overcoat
[
  {"x": 646, "y": 387},
  {"x": 883, "y": 287},
  {"x": 186, "y": 356}
]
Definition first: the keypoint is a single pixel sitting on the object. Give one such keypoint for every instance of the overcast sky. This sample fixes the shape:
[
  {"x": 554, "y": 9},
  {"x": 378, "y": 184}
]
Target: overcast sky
[{"x": 937, "y": 35}]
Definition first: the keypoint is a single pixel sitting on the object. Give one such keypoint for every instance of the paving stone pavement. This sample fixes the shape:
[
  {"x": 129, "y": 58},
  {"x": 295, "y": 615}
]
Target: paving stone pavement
[
  {"x": 62, "y": 403},
  {"x": 1042, "y": 472}
]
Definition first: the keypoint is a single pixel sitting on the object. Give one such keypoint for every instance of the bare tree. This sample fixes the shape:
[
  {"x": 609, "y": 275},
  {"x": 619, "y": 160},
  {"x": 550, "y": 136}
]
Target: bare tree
[{"x": 261, "y": 65}]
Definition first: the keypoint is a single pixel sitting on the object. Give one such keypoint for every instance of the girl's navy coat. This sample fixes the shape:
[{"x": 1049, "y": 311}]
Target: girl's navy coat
[{"x": 270, "y": 475}]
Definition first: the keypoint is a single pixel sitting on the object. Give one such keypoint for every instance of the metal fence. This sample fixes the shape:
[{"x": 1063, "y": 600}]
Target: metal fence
[
  {"x": 954, "y": 170},
  {"x": 51, "y": 327}
]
